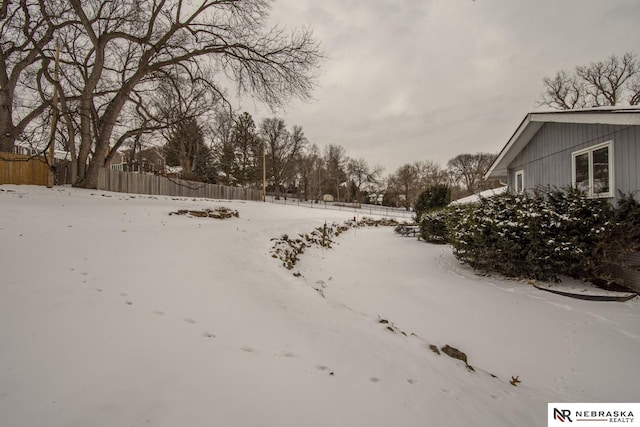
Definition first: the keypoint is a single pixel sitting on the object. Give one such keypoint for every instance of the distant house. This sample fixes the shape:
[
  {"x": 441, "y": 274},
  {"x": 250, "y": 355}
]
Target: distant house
[
  {"x": 148, "y": 160},
  {"x": 28, "y": 150},
  {"x": 596, "y": 150}
]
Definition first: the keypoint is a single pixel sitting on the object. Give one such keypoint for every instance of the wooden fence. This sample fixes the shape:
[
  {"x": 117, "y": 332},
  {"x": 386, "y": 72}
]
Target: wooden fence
[
  {"x": 23, "y": 170},
  {"x": 141, "y": 183}
]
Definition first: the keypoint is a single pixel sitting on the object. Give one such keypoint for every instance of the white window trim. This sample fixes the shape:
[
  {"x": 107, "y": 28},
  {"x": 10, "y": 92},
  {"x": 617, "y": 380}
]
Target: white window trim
[
  {"x": 515, "y": 182},
  {"x": 590, "y": 150}
]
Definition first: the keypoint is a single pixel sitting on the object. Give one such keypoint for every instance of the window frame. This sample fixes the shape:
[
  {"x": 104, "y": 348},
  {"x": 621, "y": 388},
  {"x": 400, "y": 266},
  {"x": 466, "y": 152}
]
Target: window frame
[
  {"x": 589, "y": 151},
  {"x": 515, "y": 182}
]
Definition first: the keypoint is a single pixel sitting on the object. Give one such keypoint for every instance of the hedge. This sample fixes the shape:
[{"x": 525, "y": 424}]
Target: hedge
[{"x": 541, "y": 235}]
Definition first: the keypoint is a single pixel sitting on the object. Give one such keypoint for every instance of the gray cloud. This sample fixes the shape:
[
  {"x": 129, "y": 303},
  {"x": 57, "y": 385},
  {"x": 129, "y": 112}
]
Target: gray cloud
[{"x": 426, "y": 80}]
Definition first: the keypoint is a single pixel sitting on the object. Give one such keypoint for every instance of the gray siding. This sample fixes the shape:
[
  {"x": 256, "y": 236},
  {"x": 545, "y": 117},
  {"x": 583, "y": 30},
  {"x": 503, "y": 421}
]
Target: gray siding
[{"x": 546, "y": 160}]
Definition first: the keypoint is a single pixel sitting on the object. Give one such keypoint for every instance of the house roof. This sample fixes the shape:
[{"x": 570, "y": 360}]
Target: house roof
[
  {"x": 474, "y": 198},
  {"x": 532, "y": 123}
]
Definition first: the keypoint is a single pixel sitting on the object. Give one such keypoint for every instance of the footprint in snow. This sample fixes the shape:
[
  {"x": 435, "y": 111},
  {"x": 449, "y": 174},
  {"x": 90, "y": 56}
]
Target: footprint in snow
[
  {"x": 287, "y": 354},
  {"x": 324, "y": 368}
]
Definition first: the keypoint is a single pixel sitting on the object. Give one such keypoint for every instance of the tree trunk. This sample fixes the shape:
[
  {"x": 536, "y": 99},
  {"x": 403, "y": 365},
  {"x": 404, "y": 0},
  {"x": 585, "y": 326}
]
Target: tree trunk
[
  {"x": 90, "y": 178},
  {"x": 71, "y": 143},
  {"x": 7, "y": 142},
  {"x": 7, "y": 131}
]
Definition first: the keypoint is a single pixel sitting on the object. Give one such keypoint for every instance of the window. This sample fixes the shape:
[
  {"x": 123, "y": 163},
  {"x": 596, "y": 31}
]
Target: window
[
  {"x": 519, "y": 184},
  {"x": 593, "y": 170}
]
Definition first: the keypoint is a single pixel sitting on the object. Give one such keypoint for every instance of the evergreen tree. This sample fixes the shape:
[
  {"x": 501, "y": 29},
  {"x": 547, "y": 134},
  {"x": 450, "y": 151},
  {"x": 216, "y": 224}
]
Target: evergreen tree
[
  {"x": 430, "y": 214},
  {"x": 185, "y": 147},
  {"x": 247, "y": 150},
  {"x": 433, "y": 198}
]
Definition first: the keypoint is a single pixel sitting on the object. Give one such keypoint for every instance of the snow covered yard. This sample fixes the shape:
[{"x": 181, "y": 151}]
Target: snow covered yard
[{"x": 115, "y": 313}]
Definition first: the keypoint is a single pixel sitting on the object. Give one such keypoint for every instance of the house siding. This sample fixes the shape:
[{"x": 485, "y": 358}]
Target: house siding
[{"x": 546, "y": 160}]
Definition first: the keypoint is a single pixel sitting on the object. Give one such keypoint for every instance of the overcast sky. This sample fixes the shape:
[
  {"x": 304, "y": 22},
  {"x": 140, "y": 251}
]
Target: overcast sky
[{"x": 409, "y": 80}]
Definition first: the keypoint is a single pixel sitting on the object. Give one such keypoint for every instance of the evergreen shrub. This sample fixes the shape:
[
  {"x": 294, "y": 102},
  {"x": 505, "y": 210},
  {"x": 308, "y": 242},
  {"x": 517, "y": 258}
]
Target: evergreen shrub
[
  {"x": 434, "y": 198},
  {"x": 433, "y": 227},
  {"x": 543, "y": 235},
  {"x": 430, "y": 213}
]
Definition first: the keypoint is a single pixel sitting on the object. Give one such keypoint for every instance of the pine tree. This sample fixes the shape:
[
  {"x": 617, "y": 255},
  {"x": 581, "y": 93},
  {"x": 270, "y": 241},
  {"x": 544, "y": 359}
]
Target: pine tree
[
  {"x": 186, "y": 148},
  {"x": 247, "y": 150}
]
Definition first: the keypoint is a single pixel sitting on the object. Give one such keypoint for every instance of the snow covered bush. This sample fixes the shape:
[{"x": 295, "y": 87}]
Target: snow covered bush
[
  {"x": 430, "y": 213},
  {"x": 288, "y": 249},
  {"x": 433, "y": 199},
  {"x": 621, "y": 239},
  {"x": 539, "y": 236},
  {"x": 433, "y": 227}
]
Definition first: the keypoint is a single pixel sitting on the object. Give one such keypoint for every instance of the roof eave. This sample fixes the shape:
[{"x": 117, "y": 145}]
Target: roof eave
[
  {"x": 628, "y": 117},
  {"x": 523, "y": 134}
]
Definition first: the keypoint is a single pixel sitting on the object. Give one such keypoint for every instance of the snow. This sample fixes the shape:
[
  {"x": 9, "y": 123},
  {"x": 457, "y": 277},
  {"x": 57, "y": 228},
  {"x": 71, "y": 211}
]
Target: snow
[
  {"x": 113, "y": 312},
  {"x": 581, "y": 289},
  {"x": 474, "y": 198}
]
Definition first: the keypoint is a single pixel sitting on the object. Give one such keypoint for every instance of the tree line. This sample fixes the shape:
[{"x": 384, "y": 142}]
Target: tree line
[
  {"x": 95, "y": 78},
  {"x": 232, "y": 149},
  {"x": 240, "y": 150}
]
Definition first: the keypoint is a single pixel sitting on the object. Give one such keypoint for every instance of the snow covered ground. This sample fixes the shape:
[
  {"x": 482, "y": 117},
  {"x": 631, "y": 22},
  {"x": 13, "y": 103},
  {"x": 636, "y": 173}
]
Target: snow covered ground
[{"x": 115, "y": 313}]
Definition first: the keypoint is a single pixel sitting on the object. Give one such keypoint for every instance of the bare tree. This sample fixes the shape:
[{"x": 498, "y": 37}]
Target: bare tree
[
  {"x": 283, "y": 148},
  {"x": 297, "y": 143},
  {"x": 172, "y": 111},
  {"x": 469, "y": 169},
  {"x": 114, "y": 49},
  {"x": 26, "y": 28},
  {"x": 430, "y": 173},
  {"x": 564, "y": 92},
  {"x": 634, "y": 89},
  {"x": 274, "y": 136},
  {"x": 404, "y": 184},
  {"x": 224, "y": 149},
  {"x": 361, "y": 174},
  {"x": 335, "y": 159},
  {"x": 377, "y": 190},
  {"x": 613, "y": 81},
  {"x": 606, "y": 80},
  {"x": 409, "y": 180},
  {"x": 312, "y": 173}
]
